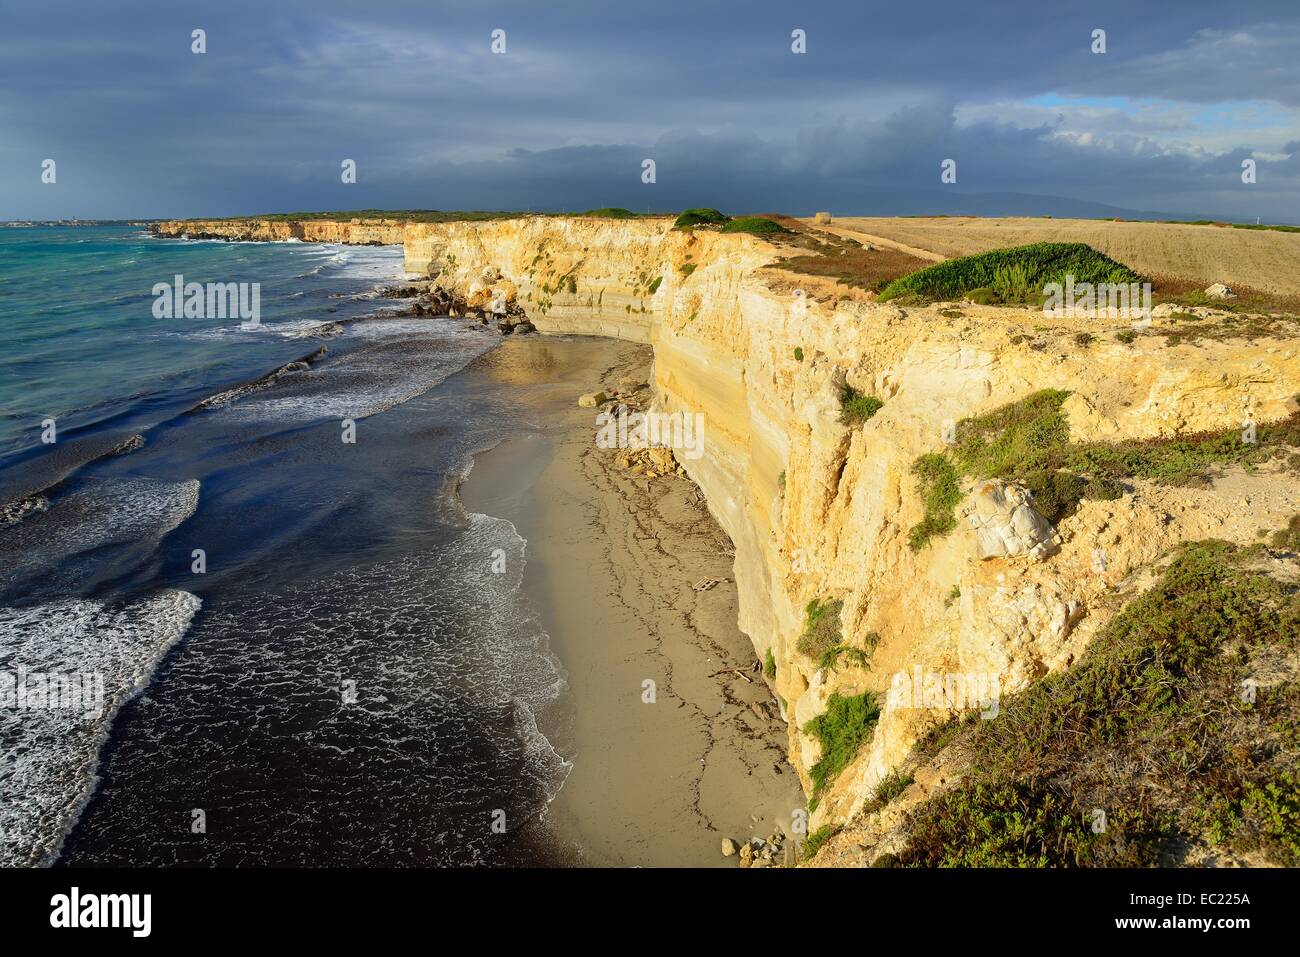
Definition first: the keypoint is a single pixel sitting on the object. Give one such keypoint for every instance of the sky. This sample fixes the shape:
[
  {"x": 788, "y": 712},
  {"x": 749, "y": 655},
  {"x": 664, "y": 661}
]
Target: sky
[{"x": 712, "y": 91}]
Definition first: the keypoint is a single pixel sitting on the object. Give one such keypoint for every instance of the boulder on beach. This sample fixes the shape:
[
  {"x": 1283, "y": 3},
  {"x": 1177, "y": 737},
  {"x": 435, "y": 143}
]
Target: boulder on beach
[
  {"x": 589, "y": 400},
  {"x": 1220, "y": 291}
]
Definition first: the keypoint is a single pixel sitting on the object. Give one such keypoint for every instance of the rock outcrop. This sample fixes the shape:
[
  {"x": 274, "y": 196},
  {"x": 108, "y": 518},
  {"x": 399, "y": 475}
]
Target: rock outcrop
[{"x": 1006, "y": 524}]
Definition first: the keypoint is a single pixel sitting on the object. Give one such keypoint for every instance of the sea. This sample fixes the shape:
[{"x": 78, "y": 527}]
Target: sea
[{"x": 308, "y": 652}]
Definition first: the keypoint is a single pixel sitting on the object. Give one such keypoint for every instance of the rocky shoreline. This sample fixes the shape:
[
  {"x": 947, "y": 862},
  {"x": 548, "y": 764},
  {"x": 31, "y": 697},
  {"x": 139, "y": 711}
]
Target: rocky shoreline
[{"x": 478, "y": 306}]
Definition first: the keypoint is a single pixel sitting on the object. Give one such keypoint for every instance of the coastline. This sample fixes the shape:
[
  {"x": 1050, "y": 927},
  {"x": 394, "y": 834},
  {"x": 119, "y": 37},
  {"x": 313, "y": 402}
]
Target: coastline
[{"x": 651, "y": 784}]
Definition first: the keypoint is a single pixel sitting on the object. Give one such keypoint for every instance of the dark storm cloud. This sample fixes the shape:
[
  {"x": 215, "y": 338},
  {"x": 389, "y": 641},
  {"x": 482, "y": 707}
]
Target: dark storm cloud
[{"x": 140, "y": 126}]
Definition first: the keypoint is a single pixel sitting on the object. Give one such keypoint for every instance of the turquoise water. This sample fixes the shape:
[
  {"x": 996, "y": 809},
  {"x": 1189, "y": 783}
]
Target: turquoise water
[{"x": 80, "y": 341}]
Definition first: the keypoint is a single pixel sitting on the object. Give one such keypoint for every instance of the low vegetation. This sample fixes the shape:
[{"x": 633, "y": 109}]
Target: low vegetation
[
  {"x": 1016, "y": 275},
  {"x": 940, "y": 493},
  {"x": 1028, "y": 441},
  {"x": 1288, "y": 537},
  {"x": 1177, "y": 732},
  {"x": 1186, "y": 327},
  {"x": 701, "y": 216},
  {"x": 821, "y": 629},
  {"x": 861, "y": 657},
  {"x": 845, "y": 726},
  {"x": 1213, "y": 222},
  {"x": 814, "y": 841},
  {"x": 611, "y": 212},
  {"x": 757, "y": 225},
  {"x": 769, "y": 665},
  {"x": 826, "y": 255},
  {"x": 890, "y": 787},
  {"x": 855, "y": 407}
]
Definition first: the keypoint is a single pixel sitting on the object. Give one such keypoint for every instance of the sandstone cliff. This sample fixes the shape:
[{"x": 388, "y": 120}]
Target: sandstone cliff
[{"x": 820, "y": 510}]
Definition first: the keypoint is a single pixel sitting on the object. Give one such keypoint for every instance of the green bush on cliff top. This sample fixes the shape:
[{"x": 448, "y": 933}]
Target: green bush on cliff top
[
  {"x": 1015, "y": 275},
  {"x": 757, "y": 225},
  {"x": 700, "y": 216}
]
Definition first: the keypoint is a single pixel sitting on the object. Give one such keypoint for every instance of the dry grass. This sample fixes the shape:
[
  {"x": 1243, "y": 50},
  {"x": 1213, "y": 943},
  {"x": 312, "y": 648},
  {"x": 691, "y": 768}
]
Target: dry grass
[
  {"x": 814, "y": 252},
  {"x": 1263, "y": 261}
]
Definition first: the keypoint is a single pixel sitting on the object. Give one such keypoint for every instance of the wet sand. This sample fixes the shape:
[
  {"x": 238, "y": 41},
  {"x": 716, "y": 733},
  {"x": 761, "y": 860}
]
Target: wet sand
[{"x": 672, "y": 732}]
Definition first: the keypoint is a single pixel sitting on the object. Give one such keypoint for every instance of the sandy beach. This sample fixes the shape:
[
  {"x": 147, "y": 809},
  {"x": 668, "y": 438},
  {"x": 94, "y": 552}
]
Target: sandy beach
[{"x": 632, "y": 579}]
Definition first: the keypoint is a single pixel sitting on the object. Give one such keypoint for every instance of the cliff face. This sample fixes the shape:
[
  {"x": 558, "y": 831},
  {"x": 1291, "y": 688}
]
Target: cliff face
[
  {"x": 356, "y": 232},
  {"x": 821, "y": 510}
]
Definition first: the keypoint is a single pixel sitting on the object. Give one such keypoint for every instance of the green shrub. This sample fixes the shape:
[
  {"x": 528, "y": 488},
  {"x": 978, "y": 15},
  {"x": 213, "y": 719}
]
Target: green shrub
[
  {"x": 1016, "y": 436},
  {"x": 845, "y": 726},
  {"x": 859, "y": 656},
  {"x": 890, "y": 787},
  {"x": 687, "y": 269},
  {"x": 814, "y": 841},
  {"x": 769, "y": 665},
  {"x": 1289, "y": 537},
  {"x": 654, "y": 286},
  {"x": 1017, "y": 275},
  {"x": 940, "y": 493},
  {"x": 821, "y": 629},
  {"x": 703, "y": 216},
  {"x": 611, "y": 212},
  {"x": 856, "y": 407},
  {"x": 798, "y": 353},
  {"x": 758, "y": 225}
]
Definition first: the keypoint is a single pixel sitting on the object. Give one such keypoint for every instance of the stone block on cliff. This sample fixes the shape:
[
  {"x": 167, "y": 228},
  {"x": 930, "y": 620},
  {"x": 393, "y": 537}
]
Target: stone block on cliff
[{"x": 1006, "y": 524}]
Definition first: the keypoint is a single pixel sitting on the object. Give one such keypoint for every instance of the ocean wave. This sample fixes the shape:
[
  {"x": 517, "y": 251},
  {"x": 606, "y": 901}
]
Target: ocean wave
[
  {"x": 62, "y": 460},
  {"x": 45, "y": 545},
  {"x": 448, "y": 672},
  {"x": 51, "y": 761},
  {"x": 226, "y": 396},
  {"x": 400, "y": 360}
]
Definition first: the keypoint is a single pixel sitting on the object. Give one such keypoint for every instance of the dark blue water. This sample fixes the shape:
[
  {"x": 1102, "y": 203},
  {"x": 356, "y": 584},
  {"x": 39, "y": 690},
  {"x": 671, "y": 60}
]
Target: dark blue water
[{"x": 310, "y": 653}]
